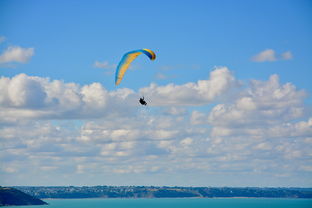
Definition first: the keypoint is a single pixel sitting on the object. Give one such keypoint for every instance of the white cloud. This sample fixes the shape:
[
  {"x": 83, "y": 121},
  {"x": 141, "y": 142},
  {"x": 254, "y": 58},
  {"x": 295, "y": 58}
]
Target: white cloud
[
  {"x": 261, "y": 130},
  {"x": 35, "y": 97},
  {"x": 25, "y": 96},
  {"x": 139, "y": 145},
  {"x": 16, "y": 54},
  {"x": 203, "y": 92},
  {"x": 25, "y": 92},
  {"x": 270, "y": 55},
  {"x": 264, "y": 102},
  {"x": 266, "y": 55}
]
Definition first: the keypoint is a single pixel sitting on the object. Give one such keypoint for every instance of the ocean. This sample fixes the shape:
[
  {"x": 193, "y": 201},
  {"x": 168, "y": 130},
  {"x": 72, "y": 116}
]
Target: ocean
[{"x": 176, "y": 203}]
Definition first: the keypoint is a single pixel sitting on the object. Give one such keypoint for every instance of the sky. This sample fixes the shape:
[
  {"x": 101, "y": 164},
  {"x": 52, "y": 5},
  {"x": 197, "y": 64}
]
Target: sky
[{"x": 229, "y": 94}]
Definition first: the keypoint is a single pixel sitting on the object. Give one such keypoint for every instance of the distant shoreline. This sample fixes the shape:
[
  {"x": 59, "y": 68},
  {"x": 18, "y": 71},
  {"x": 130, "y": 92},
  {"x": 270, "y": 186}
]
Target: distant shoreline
[{"x": 75, "y": 192}]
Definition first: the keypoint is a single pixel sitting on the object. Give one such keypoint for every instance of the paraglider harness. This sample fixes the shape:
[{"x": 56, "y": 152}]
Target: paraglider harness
[{"x": 142, "y": 101}]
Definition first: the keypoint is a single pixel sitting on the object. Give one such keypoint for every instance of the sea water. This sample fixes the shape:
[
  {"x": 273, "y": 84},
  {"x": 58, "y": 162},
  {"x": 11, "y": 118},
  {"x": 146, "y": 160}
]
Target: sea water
[{"x": 176, "y": 203}]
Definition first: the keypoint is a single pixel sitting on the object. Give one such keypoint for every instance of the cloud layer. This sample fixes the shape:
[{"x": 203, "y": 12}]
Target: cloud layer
[{"x": 56, "y": 131}]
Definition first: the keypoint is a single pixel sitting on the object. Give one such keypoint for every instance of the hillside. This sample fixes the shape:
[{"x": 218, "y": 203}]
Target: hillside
[{"x": 11, "y": 196}]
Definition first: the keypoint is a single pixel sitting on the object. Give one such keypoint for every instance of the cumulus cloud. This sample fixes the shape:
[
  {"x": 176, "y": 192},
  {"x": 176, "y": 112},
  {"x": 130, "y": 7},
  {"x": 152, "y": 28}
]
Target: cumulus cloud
[
  {"x": 31, "y": 96},
  {"x": 203, "y": 92},
  {"x": 16, "y": 54},
  {"x": 143, "y": 144},
  {"x": 264, "y": 102},
  {"x": 262, "y": 123},
  {"x": 76, "y": 132},
  {"x": 35, "y": 97},
  {"x": 266, "y": 55},
  {"x": 25, "y": 92},
  {"x": 270, "y": 55}
]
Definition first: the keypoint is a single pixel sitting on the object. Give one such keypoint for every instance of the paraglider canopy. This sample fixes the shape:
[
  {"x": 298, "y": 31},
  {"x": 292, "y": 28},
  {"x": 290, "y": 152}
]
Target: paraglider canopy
[{"x": 126, "y": 61}]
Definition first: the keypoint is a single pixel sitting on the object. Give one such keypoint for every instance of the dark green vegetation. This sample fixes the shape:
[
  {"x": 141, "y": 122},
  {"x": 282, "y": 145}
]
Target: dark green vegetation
[
  {"x": 159, "y": 192},
  {"x": 11, "y": 196}
]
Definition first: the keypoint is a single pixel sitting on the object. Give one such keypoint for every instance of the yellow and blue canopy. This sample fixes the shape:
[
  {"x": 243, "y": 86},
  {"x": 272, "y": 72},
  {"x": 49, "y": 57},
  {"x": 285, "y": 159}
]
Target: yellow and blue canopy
[{"x": 126, "y": 61}]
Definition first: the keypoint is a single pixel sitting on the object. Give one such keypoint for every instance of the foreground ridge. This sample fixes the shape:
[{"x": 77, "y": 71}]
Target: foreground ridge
[
  {"x": 12, "y": 196},
  {"x": 161, "y": 192}
]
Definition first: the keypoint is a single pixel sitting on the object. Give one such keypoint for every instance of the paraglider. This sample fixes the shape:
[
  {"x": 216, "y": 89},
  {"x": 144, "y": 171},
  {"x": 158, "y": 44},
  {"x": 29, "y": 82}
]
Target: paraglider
[
  {"x": 126, "y": 61},
  {"x": 142, "y": 101}
]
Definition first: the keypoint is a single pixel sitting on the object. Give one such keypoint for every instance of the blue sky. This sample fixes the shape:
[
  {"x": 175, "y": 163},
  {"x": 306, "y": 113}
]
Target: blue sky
[{"x": 227, "y": 74}]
